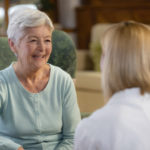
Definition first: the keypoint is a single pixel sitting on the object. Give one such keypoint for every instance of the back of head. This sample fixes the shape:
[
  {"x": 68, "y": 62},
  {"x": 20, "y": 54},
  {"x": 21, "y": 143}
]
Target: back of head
[
  {"x": 126, "y": 64},
  {"x": 19, "y": 20}
]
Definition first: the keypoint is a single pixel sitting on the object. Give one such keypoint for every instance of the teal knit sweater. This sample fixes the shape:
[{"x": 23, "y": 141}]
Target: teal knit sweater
[{"x": 38, "y": 121}]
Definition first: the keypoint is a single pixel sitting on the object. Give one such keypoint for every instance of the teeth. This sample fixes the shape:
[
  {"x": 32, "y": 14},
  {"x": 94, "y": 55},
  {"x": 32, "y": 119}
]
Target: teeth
[{"x": 39, "y": 56}]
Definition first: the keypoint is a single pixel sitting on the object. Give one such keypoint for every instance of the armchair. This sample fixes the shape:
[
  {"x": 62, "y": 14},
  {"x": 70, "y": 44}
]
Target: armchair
[
  {"x": 6, "y": 55},
  {"x": 63, "y": 52}
]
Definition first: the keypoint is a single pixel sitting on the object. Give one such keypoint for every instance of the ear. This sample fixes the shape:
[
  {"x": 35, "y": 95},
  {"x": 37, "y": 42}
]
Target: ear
[{"x": 12, "y": 46}]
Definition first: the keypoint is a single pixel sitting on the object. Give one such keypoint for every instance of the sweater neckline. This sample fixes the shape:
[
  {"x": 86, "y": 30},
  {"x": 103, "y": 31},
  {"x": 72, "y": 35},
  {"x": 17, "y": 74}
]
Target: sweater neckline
[{"x": 24, "y": 89}]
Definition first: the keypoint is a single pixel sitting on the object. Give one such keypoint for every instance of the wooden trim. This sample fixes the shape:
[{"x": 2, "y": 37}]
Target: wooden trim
[
  {"x": 69, "y": 30},
  {"x": 6, "y": 6},
  {"x": 107, "y": 13}
]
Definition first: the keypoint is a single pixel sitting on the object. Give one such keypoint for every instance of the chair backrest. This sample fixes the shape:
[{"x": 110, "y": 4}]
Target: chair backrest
[
  {"x": 63, "y": 52},
  {"x": 6, "y": 55}
]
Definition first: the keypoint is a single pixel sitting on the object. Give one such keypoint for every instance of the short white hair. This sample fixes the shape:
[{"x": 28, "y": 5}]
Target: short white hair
[{"x": 19, "y": 20}]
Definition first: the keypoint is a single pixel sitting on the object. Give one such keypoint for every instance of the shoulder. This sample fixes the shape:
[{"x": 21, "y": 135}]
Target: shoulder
[
  {"x": 60, "y": 75},
  {"x": 3, "y": 74},
  {"x": 59, "y": 72},
  {"x": 110, "y": 117},
  {"x": 6, "y": 72},
  {"x": 5, "y": 77},
  {"x": 97, "y": 121},
  {"x": 3, "y": 86}
]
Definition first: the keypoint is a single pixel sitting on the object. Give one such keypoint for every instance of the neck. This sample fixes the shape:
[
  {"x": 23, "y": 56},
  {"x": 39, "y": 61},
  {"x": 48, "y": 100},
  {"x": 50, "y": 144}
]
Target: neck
[{"x": 30, "y": 74}]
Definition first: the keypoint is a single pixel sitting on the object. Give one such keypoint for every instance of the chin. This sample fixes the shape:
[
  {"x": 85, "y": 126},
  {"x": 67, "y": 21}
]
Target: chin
[{"x": 39, "y": 66}]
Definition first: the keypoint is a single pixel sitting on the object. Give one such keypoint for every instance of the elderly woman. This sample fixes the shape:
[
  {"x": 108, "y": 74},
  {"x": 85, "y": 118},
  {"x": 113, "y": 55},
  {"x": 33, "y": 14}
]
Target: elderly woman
[
  {"x": 38, "y": 106},
  {"x": 123, "y": 123}
]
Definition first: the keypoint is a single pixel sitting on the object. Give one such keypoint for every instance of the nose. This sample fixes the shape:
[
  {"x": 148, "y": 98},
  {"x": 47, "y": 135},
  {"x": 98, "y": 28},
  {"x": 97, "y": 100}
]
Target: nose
[{"x": 41, "y": 45}]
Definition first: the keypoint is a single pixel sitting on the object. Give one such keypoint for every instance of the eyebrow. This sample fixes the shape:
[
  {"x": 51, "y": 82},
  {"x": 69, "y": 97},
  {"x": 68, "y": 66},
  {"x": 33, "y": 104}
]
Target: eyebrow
[{"x": 32, "y": 36}]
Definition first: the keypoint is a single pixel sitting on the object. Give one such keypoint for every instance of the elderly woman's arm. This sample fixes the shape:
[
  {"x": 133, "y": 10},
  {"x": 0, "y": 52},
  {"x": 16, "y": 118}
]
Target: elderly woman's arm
[
  {"x": 8, "y": 144},
  {"x": 5, "y": 142},
  {"x": 71, "y": 116}
]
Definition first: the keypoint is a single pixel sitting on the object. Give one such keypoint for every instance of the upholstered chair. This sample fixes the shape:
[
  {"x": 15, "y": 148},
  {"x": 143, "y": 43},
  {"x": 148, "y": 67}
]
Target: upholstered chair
[{"x": 63, "y": 52}]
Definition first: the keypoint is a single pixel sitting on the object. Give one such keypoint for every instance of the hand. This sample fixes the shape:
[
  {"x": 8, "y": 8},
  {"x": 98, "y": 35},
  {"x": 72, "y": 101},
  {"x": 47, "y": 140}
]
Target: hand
[{"x": 20, "y": 148}]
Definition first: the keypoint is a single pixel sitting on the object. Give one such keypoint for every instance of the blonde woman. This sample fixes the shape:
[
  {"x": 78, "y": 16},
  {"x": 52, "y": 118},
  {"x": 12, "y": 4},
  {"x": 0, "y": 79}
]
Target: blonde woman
[{"x": 124, "y": 122}]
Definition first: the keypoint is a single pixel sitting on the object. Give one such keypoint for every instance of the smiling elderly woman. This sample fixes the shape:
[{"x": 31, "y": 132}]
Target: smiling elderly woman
[{"x": 38, "y": 106}]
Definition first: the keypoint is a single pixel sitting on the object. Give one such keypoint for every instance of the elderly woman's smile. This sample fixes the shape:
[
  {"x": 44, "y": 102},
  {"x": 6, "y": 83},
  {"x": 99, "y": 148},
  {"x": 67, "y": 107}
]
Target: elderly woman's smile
[{"x": 38, "y": 56}]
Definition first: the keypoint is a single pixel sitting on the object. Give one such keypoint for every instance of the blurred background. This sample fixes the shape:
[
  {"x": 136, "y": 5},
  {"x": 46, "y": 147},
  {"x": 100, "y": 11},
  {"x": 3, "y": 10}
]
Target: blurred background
[
  {"x": 78, "y": 16},
  {"x": 62, "y": 12}
]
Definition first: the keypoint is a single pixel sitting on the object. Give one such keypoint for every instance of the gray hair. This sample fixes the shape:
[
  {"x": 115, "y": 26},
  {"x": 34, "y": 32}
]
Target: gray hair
[{"x": 19, "y": 20}]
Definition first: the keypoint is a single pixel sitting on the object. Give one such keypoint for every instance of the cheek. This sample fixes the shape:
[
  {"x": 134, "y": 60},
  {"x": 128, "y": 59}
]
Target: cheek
[
  {"x": 25, "y": 51},
  {"x": 49, "y": 49}
]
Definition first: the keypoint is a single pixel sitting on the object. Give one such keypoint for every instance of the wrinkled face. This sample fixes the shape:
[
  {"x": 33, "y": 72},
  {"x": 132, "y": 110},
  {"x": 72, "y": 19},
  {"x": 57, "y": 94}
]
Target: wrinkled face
[{"x": 34, "y": 48}]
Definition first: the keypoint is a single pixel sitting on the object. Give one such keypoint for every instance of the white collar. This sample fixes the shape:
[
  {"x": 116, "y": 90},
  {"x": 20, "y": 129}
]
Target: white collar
[{"x": 129, "y": 96}]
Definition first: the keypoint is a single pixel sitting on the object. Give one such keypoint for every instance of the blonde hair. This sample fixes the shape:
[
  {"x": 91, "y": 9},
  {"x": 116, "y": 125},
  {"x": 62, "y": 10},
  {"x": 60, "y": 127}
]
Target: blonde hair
[{"x": 126, "y": 63}]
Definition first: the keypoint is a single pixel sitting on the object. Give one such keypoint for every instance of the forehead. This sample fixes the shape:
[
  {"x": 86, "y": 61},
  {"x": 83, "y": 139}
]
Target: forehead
[{"x": 39, "y": 31}]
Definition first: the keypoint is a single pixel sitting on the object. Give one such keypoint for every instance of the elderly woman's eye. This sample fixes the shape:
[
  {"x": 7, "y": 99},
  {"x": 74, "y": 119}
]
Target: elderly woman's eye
[
  {"x": 48, "y": 40},
  {"x": 33, "y": 40}
]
